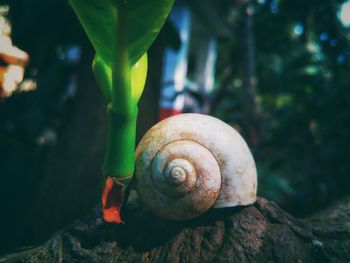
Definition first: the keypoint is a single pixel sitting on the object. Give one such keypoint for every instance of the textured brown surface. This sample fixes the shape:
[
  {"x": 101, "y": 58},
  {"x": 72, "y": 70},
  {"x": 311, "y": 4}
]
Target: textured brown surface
[{"x": 258, "y": 233}]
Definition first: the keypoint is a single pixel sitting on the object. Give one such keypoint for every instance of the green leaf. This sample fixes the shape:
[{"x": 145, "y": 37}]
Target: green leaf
[
  {"x": 138, "y": 77},
  {"x": 145, "y": 19},
  {"x": 103, "y": 75},
  {"x": 97, "y": 18}
]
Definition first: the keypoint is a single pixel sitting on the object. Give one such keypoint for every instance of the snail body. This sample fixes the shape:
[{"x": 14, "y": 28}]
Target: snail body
[{"x": 189, "y": 163}]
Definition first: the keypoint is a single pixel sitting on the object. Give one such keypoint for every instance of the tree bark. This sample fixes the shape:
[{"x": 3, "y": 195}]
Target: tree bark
[
  {"x": 249, "y": 78},
  {"x": 261, "y": 232}
]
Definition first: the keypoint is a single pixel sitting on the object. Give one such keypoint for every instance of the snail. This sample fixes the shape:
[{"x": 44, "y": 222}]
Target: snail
[{"x": 191, "y": 162}]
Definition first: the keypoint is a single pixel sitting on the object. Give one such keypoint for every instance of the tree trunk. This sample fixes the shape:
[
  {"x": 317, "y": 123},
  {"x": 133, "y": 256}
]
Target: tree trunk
[
  {"x": 261, "y": 232},
  {"x": 250, "y": 104}
]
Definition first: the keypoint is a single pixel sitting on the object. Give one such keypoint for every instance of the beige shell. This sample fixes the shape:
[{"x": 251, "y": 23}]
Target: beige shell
[{"x": 189, "y": 163}]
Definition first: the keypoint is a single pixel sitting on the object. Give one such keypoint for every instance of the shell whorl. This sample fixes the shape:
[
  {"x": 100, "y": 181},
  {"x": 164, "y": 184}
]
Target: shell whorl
[
  {"x": 178, "y": 184},
  {"x": 189, "y": 163}
]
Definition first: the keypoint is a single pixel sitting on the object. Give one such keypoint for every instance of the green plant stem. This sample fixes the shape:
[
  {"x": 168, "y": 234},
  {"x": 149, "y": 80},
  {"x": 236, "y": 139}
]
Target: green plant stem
[
  {"x": 122, "y": 112},
  {"x": 119, "y": 159},
  {"x": 121, "y": 70}
]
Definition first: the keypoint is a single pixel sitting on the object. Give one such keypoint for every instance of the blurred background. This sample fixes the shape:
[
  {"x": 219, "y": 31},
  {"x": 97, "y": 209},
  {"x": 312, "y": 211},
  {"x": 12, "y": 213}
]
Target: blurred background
[{"x": 276, "y": 70}]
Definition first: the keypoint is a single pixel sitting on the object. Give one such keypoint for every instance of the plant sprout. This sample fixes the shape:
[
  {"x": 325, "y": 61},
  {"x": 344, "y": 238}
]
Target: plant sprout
[{"x": 121, "y": 31}]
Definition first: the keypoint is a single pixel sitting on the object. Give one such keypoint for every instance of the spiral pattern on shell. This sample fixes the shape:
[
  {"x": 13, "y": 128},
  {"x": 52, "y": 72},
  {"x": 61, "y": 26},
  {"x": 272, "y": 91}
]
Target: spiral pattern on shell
[{"x": 189, "y": 163}]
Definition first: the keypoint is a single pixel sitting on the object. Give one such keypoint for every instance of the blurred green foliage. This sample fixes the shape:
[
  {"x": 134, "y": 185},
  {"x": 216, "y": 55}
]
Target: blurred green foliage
[{"x": 303, "y": 92}]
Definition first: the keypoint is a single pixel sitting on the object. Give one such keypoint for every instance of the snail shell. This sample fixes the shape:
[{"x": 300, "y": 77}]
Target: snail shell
[{"x": 189, "y": 163}]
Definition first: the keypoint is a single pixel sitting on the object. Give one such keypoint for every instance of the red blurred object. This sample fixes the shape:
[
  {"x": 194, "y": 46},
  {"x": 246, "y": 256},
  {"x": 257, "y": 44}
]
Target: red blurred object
[
  {"x": 112, "y": 200},
  {"x": 165, "y": 113}
]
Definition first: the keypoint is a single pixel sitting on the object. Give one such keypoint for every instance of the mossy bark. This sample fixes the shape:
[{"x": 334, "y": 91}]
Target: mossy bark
[{"x": 261, "y": 232}]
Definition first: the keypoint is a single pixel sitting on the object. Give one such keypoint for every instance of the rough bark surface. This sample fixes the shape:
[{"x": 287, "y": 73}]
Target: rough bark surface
[{"x": 258, "y": 233}]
